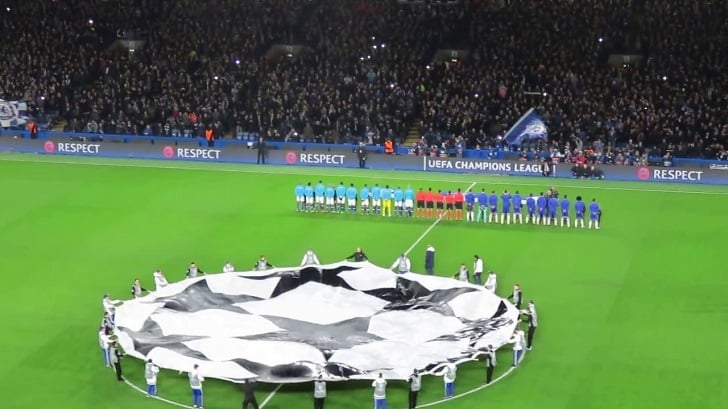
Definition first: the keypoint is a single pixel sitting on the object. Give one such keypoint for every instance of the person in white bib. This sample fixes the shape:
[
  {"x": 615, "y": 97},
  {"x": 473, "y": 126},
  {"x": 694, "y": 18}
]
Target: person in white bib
[{"x": 150, "y": 374}]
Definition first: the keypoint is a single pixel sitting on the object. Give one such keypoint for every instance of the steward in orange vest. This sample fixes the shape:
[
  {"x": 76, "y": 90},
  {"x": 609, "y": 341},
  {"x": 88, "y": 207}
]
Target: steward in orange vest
[
  {"x": 388, "y": 147},
  {"x": 210, "y": 137}
]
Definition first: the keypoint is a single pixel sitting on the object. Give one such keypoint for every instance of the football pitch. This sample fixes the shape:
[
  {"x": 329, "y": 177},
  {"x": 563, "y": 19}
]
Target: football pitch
[{"x": 631, "y": 316}]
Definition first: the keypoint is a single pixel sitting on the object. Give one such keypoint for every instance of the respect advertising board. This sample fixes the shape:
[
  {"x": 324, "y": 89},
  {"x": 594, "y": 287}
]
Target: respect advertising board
[{"x": 343, "y": 158}]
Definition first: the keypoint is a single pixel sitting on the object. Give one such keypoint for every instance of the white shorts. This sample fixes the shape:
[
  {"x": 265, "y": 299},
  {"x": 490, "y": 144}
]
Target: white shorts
[
  {"x": 365, "y": 203},
  {"x": 408, "y": 203},
  {"x": 397, "y": 204},
  {"x": 376, "y": 202},
  {"x": 352, "y": 202},
  {"x": 340, "y": 200},
  {"x": 300, "y": 199},
  {"x": 329, "y": 200},
  {"x": 319, "y": 199},
  {"x": 309, "y": 200}
]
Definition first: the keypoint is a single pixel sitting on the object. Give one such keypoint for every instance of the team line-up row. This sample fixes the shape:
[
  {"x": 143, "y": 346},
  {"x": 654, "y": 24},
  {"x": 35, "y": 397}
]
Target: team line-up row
[{"x": 544, "y": 209}]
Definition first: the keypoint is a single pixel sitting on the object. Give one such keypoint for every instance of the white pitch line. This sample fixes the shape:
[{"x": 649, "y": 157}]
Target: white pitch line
[
  {"x": 282, "y": 171},
  {"x": 159, "y": 398},
  {"x": 476, "y": 389},
  {"x": 270, "y": 396},
  {"x": 432, "y": 226}
]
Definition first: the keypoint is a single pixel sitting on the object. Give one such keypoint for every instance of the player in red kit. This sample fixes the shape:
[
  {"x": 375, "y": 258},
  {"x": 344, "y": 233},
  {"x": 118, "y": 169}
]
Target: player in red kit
[
  {"x": 429, "y": 203},
  {"x": 439, "y": 203},
  {"x": 420, "y": 199},
  {"x": 459, "y": 200},
  {"x": 449, "y": 205}
]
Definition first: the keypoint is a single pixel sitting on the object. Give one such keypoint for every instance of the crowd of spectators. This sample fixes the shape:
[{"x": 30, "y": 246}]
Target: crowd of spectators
[{"x": 366, "y": 72}]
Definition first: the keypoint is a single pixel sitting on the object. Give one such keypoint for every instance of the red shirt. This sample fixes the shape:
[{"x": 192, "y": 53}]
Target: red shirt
[
  {"x": 439, "y": 197},
  {"x": 459, "y": 198},
  {"x": 429, "y": 197},
  {"x": 449, "y": 199},
  {"x": 420, "y": 197}
]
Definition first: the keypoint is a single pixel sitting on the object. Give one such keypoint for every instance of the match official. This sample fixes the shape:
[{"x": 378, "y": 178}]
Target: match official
[
  {"x": 415, "y": 381},
  {"x": 262, "y": 150}
]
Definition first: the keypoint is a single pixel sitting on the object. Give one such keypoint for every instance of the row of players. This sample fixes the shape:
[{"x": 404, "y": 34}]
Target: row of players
[{"x": 547, "y": 209}]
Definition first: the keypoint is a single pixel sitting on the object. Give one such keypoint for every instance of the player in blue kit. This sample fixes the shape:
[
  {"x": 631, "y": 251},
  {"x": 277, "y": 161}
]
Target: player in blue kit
[
  {"x": 553, "y": 207},
  {"x": 300, "y": 198},
  {"x": 398, "y": 195},
  {"x": 531, "y": 206},
  {"x": 579, "y": 210},
  {"x": 319, "y": 195},
  {"x": 506, "y": 207},
  {"x": 517, "y": 205},
  {"x": 409, "y": 201},
  {"x": 340, "y": 197},
  {"x": 594, "y": 214},
  {"x": 308, "y": 192},
  {"x": 364, "y": 199},
  {"x": 330, "y": 194},
  {"x": 482, "y": 206},
  {"x": 351, "y": 198},
  {"x": 469, "y": 206},
  {"x": 565, "y": 204},
  {"x": 376, "y": 194},
  {"x": 493, "y": 205},
  {"x": 541, "y": 204}
]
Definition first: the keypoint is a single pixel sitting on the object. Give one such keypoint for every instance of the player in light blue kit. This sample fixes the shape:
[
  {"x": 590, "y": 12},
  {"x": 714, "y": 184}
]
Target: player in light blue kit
[
  {"x": 351, "y": 198},
  {"x": 330, "y": 193},
  {"x": 531, "y": 206},
  {"x": 565, "y": 204},
  {"x": 300, "y": 198},
  {"x": 493, "y": 206},
  {"x": 340, "y": 197},
  {"x": 308, "y": 192},
  {"x": 595, "y": 213},
  {"x": 506, "y": 207},
  {"x": 409, "y": 201},
  {"x": 364, "y": 199},
  {"x": 376, "y": 193},
  {"x": 319, "y": 191},
  {"x": 398, "y": 201},
  {"x": 517, "y": 208},
  {"x": 580, "y": 210}
]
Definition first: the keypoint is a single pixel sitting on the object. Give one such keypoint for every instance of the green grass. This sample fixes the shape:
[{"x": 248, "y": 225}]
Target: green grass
[{"x": 632, "y": 316}]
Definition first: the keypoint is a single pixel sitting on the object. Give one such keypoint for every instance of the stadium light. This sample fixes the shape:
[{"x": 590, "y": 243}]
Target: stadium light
[
  {"x": 237, "y": 62},
  {"x": 601, "y": 39}
]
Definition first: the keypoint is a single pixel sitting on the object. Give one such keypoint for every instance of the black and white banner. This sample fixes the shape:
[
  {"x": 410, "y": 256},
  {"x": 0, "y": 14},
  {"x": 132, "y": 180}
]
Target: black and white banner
[
  {"x": 13, "y": 113},
  {"x": 343, "y": 321}
]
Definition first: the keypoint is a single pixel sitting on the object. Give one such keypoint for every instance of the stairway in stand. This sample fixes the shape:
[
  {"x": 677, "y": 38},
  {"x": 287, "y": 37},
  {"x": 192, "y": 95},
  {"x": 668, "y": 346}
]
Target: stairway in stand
[{"x": 414, "y": 133}]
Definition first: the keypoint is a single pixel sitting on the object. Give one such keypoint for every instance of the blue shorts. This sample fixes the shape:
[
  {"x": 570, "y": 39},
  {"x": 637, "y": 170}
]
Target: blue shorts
[
  {"x": 516, "y": 210},
  {"x": 531, "y": 211},
  {"x": 506, "y": 210},
  {"x": 594, "y": 217},
  {"x": 493, "y": 209},
  {"x": 564, "y": 214},
  {"x": 579, "y": 215}
]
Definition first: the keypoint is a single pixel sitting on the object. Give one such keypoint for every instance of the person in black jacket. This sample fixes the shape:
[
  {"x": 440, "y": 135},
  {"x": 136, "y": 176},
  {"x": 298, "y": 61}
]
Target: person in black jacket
[
  {"x": 358, "y": 255},
  {"x": 361, "y": 153},
  {"x": 249, "y": 394},
  {"x": 262, "y": 150}
]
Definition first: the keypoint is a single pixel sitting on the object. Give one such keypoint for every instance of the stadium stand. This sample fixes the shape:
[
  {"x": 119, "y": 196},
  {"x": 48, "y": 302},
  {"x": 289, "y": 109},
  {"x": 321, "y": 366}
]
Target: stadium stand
[{"x": 615, "y": 80}]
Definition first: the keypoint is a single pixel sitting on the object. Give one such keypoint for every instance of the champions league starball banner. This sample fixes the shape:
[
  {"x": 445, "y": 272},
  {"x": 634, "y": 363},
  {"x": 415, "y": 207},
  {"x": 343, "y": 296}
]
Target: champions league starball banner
[{"x": 342, "y": 321}]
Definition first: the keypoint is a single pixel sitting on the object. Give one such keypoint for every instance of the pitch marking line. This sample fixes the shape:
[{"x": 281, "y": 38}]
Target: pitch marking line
[
  {"x": 270, "y": 395},
  {"x": 432, "y": 226},
  {"x": 282, "y": 171}
]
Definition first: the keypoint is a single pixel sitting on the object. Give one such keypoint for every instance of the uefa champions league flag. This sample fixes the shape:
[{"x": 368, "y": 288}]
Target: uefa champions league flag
[
  {"x": 13, "y": 113},
  {"x": 529, "y": 126}
]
